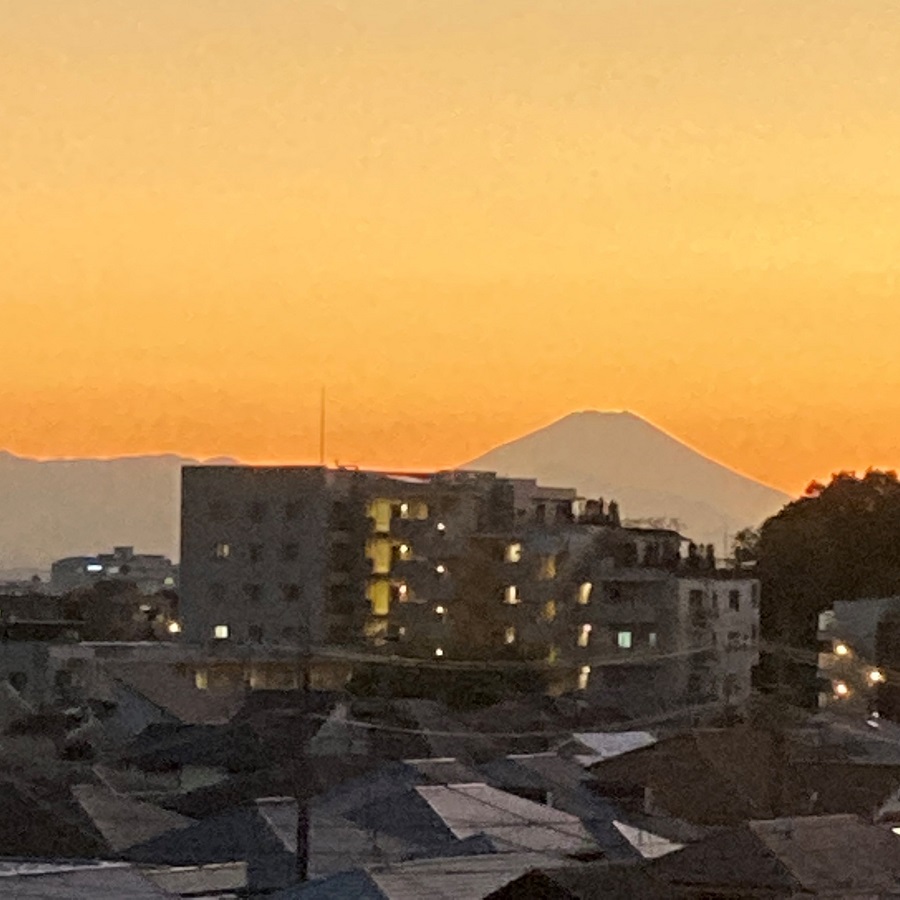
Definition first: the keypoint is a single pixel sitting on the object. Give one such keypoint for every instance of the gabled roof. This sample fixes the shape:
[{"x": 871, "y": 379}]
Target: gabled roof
[
  {"x": 38, "y": 826},
  {"x": 728, "y": 776},
  {"x": 471, "y": 878},
  {"x": 585, "y": 881},
  {"x": 813, "y": 854},
  {"x": 75, "y": 881},
  {"x": 512, "y": 823},
  {"x": 122, "y": 821}
]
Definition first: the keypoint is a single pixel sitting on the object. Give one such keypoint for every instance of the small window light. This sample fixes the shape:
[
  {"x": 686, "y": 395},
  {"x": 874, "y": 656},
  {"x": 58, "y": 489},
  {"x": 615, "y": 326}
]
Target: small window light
[
  {"x": 439, "y": 652},
  {"x": 513, "y": 553},
  {"x": 509, "y": 635},
  {"x": 404, "y": 509},
  {"x": 584, "y": 593},
  {"x": 404, "y": 550},
  {"x": 201, "y": 680},
  {"x": 169, "y": 581},
  {"x": 440, "y": 569},
  {"x": 174, "y": 628},
  {"x": 584, "y": 674},
  {"x": 584, "y": 635},
  {"x": 511, "y": 595},
  {"x": 441, "y": 526},
  {"x": 623, "y": 640},
  {"x": 440, "y": 610},
  {"x": 93, "y": 568},
  {"x": 221, "y": 632},
  {"x": 653, "y": 639}
]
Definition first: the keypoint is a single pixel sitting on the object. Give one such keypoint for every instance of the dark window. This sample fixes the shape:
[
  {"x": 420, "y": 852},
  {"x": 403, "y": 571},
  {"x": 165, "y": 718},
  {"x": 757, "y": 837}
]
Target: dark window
[
  {"x": 290, "y": 552},
  {"x": 217, "y": 591},
  {"x": 255, "y": 634},
  {"x": 292, "y": 510},
  {"x": 219, "y": 510},
  {"x": 255, "y": 552},
  {"x": 715, "y": 601},
  {"x": 253, "y": 592},
  {"x": 290, "y": 593},
  {"x": 754, "y": 597},
  {"x": 734, "y": 601},
  {"x": 257, "y": 511},
  {"x": 18, "y": 680},
  {"x": 754, "y": 633},
  {"x": 695, "y": 601},
  {"x": 289, "y": 634}
]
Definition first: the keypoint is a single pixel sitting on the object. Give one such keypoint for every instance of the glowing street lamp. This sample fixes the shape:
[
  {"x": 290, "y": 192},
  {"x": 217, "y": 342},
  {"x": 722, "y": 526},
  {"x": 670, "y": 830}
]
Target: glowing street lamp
[
  {"x": 876, "y": 676},
  {"x": 841, "y": 689},
  {"x": 841, "y": 649}
]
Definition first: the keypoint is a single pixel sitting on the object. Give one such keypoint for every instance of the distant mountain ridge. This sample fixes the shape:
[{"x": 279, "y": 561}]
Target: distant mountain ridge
[
  {"x": 52, "y": 509},
  {"x": 73, "y": 507},
  {"x": 620, "y": 456}
]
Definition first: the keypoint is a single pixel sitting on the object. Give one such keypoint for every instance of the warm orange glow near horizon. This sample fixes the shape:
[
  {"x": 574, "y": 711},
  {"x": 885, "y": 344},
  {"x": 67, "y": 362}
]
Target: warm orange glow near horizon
[{"x": 465, "y": 219}]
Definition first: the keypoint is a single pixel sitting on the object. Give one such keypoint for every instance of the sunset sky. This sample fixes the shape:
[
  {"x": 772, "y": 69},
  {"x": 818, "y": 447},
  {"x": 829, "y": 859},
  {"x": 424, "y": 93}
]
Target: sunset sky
[{"x": 467, "y": 218}]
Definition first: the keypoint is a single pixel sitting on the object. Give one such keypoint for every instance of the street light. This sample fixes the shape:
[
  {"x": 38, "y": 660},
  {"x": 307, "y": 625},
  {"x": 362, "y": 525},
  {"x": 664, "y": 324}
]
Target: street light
[
  {"x": 841, "y": 689},
  {"x": 876, "y": 676},
  {"x": 841, "y": 649}
]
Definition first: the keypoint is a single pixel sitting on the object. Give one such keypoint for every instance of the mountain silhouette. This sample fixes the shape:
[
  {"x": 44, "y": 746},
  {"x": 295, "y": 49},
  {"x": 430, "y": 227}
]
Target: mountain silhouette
[
  {"x": 620, "y": 456},
  {"x": 79, "y": 507}
]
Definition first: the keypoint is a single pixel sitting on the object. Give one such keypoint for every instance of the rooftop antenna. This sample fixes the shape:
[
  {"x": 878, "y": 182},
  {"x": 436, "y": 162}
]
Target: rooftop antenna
[{"x": 322, "y": 429}]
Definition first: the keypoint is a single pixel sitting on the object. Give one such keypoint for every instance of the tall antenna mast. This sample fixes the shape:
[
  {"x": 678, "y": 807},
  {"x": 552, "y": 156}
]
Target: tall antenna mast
[{"x": 322, "y": 429}]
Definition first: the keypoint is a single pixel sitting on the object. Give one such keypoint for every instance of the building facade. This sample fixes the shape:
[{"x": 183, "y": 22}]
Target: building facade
[
  {"x": 460, "y": 565},
  {"x": 150, "y": 572}
]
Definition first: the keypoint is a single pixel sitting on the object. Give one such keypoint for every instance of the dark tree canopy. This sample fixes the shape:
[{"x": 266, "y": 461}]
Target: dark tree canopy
[{"x": 839, "y": 542}]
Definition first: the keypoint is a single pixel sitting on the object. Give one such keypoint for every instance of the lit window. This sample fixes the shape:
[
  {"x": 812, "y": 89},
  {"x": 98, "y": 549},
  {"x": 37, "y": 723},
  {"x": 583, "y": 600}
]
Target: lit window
[
  {"x": 653, "y": 640},
  {"x": 222, "y": 551},
  {"x": 93, "y": 568},
  {"x": 509, "y": 635},
  {"x": 511, "y": 595},
  {"x": 169, "y": 581},
  {"x": 380, "y": 513},
  {"x": 174, "y": 628},
  {"x": 584, "y": 674},
  {"x": 441, "y": 569},
  {"x": 404, "y": 510},
  {"x": 201, "y": 680},
  {"x": 441, "y": 526},
  {"x": 404, "y": 551},
  {"x": 439, "y": 652},
  {"x": 547, "y": 568},
  {"x": 380, "y": 552},
  {"x": 623, "y": 640},
  {"x": 548, "y": 614},
  {"x": 513, "y": 553},
  {"x": 112, "y": 570},
  {"x": 584, "y": 593},
  {"x": 440, "y": 610},
  {"x": 221, "y": 632},
  {"x": 379, "y": 593},
  {"x": 403, "y": 591},
  {"x": 584, "y": 635}
]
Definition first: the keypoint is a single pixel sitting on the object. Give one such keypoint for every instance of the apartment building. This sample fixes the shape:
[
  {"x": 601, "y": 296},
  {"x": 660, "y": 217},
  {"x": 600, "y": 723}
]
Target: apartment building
[
  {"x": 151, "y": 573},
  {"x": 455, "y": 564}
]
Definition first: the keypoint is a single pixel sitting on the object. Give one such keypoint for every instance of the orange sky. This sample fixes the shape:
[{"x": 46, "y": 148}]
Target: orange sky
[{"x": 466, "y": 218}]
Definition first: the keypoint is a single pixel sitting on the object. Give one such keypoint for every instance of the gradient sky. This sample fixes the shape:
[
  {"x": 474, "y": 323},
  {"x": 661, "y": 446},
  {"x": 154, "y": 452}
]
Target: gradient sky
[{"x": 467, "y": 218}]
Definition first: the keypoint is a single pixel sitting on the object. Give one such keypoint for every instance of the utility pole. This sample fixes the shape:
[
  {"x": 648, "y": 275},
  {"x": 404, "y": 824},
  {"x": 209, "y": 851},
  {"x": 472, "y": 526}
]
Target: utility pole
[{"x": 301, "y": 771}]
